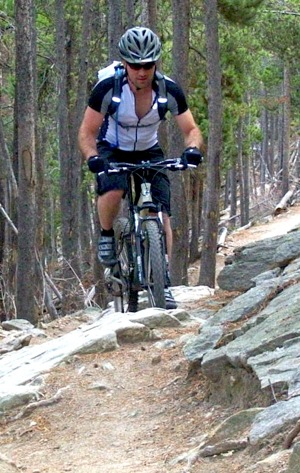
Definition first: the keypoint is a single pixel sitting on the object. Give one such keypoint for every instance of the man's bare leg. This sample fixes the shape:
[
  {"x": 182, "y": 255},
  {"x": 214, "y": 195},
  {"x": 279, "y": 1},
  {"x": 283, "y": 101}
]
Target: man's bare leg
[
  {"x": 169, "y": 235},
  {"x": 108, "y": 206},
  {"x": 170, "y": 302}
]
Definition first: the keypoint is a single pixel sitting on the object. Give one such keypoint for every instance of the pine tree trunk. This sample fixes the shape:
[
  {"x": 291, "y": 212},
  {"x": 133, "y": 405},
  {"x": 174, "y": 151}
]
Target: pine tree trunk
[
  {"x": 286, "y": 130},
  {"x": 233, "y": 194},
  {"x": 196, "y": 192},
  {"x": 179, "y": 262},
  {"x": 115, "y": 28},
  {"x": 211, "y": 211},
  {"x": 26, "y": 115},
  {"x": 69, "y": 177}
]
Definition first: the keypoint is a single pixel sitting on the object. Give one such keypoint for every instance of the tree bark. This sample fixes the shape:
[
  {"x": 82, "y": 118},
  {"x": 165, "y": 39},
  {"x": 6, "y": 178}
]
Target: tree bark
[
  {"x": 211, "y": 211},
  {"x": 286, "y": 129},
  {"x": 196, "y": 193},
  {"x": 26, "y": 113},
  {"x": 115, "y": 28},
  {"x": 233, "y": 193},
  {"x": 179, "y": 262},
  {"x": 69, "y": 176},
  {"x": 130, "y": 4},
  {"x": 148, "y": 14}
]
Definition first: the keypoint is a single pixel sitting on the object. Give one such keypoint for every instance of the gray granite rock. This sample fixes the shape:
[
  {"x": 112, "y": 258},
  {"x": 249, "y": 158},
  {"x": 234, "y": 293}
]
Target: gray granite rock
[
  {"x": 17, "y": 324},
  {"x": 294, "y": 462},
  {"x": 249, "y": 261},
  {"x": 245, "y": 305},
  {"x": 273, "y": 419},
  {"x": 277, "y": 367},
  {"x": 232, "y": 434},
  {"x": 197, "y": 346},
  {"x": 281, "y": 322},
  {"x": 12, "y": 396}
]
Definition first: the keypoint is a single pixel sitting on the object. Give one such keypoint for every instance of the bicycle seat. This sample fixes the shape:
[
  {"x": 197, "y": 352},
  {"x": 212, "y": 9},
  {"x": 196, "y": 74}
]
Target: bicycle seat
[{"x": 148, "y": 206}]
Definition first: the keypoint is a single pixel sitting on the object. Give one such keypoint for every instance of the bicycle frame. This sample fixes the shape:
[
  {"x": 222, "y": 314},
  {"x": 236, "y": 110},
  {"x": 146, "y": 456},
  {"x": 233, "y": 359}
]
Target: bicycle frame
[
  {"x": 143, "y": 261},
  {"x": 138, "y": 213}
]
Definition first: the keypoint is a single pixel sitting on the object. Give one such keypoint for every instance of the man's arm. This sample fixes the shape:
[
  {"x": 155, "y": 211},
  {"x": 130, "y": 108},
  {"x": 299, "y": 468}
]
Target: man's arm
[
  {"x": 191, "y": 133},
  {"x": 88, "y": 132}
]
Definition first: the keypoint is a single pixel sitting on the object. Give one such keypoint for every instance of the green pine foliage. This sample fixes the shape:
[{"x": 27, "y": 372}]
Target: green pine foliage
[
  {"x": 239, "y": 11},
  {"x": 256, "y": 38}
]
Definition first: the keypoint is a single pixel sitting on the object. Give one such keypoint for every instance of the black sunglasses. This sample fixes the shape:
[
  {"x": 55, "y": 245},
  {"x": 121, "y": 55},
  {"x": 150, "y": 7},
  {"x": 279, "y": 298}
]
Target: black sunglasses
[{"x": 136, "y": 67}]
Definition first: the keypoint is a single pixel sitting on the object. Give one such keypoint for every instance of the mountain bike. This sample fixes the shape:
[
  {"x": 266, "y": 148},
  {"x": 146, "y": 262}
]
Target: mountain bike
[{"x": 140, "y": 241}]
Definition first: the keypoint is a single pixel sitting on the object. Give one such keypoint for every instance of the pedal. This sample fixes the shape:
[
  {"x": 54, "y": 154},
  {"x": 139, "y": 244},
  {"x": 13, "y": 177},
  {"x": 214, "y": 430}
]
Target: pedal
[{"x": 113, "y": 281}]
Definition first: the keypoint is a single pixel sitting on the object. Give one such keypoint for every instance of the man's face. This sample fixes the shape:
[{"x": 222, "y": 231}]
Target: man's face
[{"x": 141, "y": 75}]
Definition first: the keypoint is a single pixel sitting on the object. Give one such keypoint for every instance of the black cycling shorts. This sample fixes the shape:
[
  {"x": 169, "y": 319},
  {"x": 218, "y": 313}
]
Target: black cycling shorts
[{"x": 160, "y": 184}]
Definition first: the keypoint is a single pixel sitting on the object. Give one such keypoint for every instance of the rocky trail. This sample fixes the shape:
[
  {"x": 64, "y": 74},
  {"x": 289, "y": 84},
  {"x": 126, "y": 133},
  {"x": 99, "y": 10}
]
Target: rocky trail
[{"x": 136, "y": 409}]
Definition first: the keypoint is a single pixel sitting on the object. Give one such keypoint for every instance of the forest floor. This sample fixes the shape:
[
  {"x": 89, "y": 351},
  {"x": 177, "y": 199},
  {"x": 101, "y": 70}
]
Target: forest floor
[{"x": 134, "y": 410}]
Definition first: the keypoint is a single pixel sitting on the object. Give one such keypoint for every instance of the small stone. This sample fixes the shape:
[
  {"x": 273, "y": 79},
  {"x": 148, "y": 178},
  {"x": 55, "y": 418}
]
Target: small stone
[
  {"x": 156, "y": 359},
  {"x": 100, "y": 386},
  {"x": 107, "y": 366}
]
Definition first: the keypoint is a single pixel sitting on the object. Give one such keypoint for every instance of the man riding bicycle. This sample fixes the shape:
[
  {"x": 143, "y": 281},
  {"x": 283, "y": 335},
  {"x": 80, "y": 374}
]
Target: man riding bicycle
[{"x": 130, "y": 134}]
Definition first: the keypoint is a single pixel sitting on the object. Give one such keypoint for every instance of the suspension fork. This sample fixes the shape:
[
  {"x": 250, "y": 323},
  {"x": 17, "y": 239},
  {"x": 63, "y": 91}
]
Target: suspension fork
[
  {"x": 138, "y": 245},
  {"x": 164, "y": 245}
]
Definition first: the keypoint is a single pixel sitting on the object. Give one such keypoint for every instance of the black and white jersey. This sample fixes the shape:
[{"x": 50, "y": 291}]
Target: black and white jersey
[{"x": 124, "y": 129}]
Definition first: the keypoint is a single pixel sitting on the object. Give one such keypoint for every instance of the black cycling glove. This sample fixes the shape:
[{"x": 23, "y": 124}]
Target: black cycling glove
[
  {"x": 191, "y": 155},
  {"x": 97, "y": 164}
]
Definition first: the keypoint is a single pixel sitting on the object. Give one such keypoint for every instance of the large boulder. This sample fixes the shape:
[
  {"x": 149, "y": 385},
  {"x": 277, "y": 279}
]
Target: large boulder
[{"x": 249, "y": 261}]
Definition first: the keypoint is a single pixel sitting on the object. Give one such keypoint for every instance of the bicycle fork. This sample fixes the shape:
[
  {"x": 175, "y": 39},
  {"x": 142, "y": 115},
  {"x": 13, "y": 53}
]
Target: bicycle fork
[{"x": 139, "y": 236}]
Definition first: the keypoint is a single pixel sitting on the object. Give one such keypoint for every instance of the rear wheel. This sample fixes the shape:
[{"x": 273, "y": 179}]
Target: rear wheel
[{"x": 154, "y": 264}]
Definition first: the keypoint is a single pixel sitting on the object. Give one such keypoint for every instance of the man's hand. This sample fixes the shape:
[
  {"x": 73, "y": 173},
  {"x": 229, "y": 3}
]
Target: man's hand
[
  {"x": 191, "y": 155},
  {"x": 97, "y": 164}
]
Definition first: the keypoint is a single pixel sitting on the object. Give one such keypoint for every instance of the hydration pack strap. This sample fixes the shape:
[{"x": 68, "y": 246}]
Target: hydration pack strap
[
  {"x": 117, "y": 90},
  {"x": 162, "y": 101}
]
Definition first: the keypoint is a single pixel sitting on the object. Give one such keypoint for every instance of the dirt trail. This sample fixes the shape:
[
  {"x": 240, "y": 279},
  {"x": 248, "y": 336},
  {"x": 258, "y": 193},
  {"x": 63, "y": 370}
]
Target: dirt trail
[{"x": 131, "y": 411}]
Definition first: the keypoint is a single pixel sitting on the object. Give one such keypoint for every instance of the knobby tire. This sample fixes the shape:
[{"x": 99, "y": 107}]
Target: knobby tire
[
  {"x": 124, "y": 253},
  {"x": 154, "y": 264}
]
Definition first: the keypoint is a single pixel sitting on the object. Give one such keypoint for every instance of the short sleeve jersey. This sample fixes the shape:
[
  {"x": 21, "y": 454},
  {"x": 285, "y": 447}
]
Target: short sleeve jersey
[{"x": 124, "y": 129}]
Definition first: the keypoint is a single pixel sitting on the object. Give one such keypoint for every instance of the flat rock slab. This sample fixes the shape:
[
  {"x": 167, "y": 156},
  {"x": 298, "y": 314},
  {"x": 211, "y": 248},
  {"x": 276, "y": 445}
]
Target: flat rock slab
[
  {"x": 20, "y": 367},
  {"x": 184, "y": 294}
]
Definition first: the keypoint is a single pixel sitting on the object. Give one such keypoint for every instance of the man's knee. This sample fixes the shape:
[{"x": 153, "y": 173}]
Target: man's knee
[{"x": 111, "y": 197}]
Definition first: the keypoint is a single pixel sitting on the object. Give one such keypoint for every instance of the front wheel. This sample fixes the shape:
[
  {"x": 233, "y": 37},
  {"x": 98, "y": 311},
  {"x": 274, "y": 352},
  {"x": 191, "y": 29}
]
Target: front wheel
[
  {"x": 126, "y": 299},
  {"x": 154, "y": 264},
  {"x": 122, "y": 233}
]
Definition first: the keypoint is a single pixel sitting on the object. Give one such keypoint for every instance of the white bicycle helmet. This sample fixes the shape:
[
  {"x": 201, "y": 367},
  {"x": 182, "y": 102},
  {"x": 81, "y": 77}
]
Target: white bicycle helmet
[{"x": 139, "y": 44}]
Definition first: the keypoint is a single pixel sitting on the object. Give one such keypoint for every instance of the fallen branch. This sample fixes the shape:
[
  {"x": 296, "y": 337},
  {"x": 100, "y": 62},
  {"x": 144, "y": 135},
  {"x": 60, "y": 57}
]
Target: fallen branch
[
  {"x": 223, "y": 447},
  {"x": 272, "y": 390},
  {"x": 46, "y": 276},
  {"x": 5, "y": 215},
  {"x": 44, "y": 403},
  {"x": 222, "y": 237},
  {"x": 282, "y": 205},
  {"x": 289, "y": 440},
  {"x": 76, "y": 277}
]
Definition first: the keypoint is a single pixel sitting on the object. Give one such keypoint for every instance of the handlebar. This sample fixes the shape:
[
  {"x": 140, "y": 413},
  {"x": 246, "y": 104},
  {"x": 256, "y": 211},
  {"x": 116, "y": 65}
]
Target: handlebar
[{"x": 172, "y": 164}]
